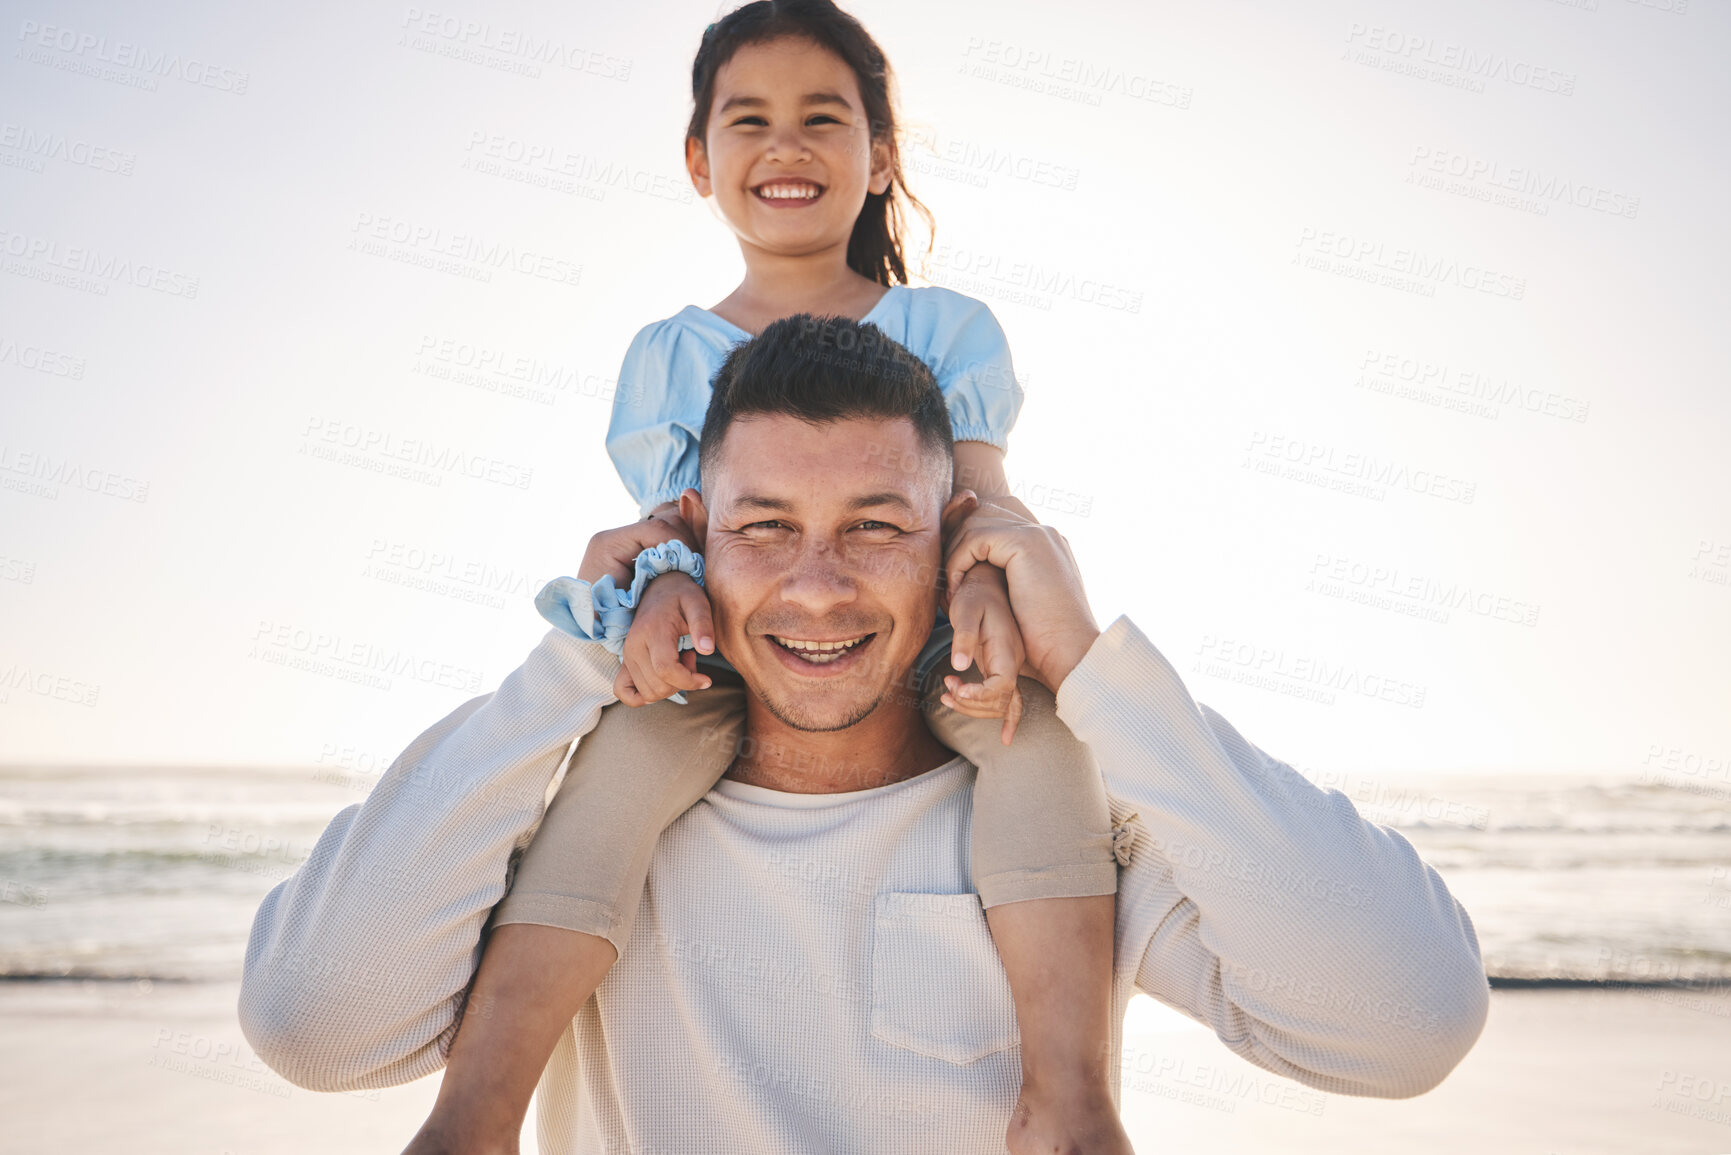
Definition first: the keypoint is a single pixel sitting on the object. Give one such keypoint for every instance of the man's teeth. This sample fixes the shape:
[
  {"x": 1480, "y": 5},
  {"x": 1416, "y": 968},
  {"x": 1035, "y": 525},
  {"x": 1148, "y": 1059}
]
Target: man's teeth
[
  {"x": 788, "y": 191},
  {"x": 820, "y": 652}
]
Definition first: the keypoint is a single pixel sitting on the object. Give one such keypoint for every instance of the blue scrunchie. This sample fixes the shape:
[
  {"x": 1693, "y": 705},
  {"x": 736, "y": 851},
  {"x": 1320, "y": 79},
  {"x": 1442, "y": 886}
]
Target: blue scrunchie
[{"x": 600, "y": 611}]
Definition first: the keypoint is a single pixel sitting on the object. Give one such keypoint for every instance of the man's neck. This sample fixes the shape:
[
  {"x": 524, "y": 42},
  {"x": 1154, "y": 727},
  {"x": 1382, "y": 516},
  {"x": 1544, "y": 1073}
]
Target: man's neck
[{"x": 891, "y": 745}]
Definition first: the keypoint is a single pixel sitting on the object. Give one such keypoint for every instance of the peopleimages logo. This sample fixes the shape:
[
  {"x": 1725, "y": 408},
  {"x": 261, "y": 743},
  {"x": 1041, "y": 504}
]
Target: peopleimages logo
[
  {"x": 86, "y": 47},
  {"x": 375, "y": 234},
  {"x": 972, "y": 158},
  {"x": 347, "y": 443},
  {"x": 60, "y": 687},
  {"x": 1386, "y": 371},
  {"x": 554, "y": 160},
  {"x": 40, "y": 360},
  {"x": 46, "y": 146},
  {"x": 1349, "y": 470},
  {"x": 1417, "y": 52},
  {"x": 1045, "y": 282},
  {"x": 1372, "y": 255},
  {"x": 104, "y": 267},
  {"x": 436, "y": 29},
  {"x": 1300, "y": 675},
  {"x": 1041, "y": 70},
  {"x": 1545, "y": 187},
  {"x": 495, "y": 369},
  {"x": 52, "y": 471},
  {"x": 351, "y": 659},
  {"x": 1385, "y": 587}
]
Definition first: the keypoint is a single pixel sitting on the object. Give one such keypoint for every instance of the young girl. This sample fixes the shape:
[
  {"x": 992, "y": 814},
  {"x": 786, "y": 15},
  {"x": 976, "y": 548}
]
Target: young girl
[{"x": 793, "y": 134}]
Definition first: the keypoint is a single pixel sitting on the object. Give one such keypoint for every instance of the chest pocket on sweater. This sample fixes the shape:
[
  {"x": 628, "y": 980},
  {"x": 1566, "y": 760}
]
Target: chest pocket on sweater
[{"x": 938, "y": 986}]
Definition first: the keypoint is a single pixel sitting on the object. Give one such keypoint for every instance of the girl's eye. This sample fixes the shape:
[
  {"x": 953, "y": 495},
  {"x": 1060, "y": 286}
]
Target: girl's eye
[
  {"x": 753, "y": 121},
  {"x": 822, "y": 118}
]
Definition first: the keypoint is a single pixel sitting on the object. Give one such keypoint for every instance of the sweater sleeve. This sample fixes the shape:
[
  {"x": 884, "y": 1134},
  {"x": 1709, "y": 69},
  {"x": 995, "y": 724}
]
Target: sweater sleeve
[
  {"x": 357, "y": 963},
  {"x": 1316, "y": 944}
]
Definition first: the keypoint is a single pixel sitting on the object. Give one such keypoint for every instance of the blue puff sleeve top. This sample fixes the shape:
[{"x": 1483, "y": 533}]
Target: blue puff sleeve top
[{"x": 663, "y": 390}]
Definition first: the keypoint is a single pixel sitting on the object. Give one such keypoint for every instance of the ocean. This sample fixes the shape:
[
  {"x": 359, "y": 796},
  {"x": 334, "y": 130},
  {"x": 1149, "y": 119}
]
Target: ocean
[{"x": 153, "y": 875}]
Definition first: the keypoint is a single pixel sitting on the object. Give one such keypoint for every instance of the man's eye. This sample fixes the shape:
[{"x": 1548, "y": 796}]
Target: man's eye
[
  {"x": 765, "y": 525},
  {"x": 878, "y": 526}
]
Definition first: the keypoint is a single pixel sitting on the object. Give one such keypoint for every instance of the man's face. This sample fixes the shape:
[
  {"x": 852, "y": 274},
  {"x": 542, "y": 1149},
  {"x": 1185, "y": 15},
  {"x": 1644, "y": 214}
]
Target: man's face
[{"x": 822, "y": 548}]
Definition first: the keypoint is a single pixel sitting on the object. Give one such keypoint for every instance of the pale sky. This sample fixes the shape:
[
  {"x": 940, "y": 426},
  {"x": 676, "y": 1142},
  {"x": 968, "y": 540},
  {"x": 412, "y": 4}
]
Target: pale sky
[{"x": 1374, "y": 353}]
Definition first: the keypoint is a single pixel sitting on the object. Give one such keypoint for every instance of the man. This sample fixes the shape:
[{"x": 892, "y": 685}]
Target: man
[{"x": 809, "y": 969}]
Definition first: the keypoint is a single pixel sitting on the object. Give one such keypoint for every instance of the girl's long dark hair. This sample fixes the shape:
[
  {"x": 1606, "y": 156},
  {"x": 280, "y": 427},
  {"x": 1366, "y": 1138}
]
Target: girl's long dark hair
[{"x": 874, "y": 250}]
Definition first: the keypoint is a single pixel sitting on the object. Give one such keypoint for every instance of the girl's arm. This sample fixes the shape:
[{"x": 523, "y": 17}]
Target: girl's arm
[
  {"x": 652, "y": 666},
  {"x": 980, "y": 609},
  {"x": 980, "y": 467}
]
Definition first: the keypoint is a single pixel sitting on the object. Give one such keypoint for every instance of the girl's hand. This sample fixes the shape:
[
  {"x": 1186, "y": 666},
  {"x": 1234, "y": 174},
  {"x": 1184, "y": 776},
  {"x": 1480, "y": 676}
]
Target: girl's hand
[
  {"x": 666, "y": 516},
  {"x": 653, "y": 667},
  {"x": 1055, "y": 622},
  {"x": 614, "y": 551},
  {"x": 986, "y": 632}
]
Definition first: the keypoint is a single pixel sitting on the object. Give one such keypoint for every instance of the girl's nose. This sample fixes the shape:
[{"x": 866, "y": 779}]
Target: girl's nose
[{"x": 788, "y": 145}]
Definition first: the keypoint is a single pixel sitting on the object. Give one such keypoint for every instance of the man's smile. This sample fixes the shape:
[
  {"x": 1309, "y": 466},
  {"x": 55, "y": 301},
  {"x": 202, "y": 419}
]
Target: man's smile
[{"x": 810, "y": 655}]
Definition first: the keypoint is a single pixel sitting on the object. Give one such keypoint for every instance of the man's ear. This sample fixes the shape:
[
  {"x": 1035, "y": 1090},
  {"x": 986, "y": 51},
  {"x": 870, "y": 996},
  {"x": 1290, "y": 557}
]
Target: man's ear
[
  {"x": 962, "y": 503},
  {"x": 696, "y": 515},
  {"x": 697, "y": 165}
]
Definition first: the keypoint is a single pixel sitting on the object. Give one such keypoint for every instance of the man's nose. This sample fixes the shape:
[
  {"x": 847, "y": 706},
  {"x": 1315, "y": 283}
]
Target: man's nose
[{"x": 820, "y": 580}]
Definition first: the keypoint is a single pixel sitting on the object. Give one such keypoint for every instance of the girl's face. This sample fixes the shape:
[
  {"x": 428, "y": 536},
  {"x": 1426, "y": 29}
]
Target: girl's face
[{"x": 789, "y": 156}]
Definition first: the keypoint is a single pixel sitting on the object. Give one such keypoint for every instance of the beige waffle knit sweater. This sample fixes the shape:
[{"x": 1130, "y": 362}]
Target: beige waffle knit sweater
[{"x": 811, "y": 972}]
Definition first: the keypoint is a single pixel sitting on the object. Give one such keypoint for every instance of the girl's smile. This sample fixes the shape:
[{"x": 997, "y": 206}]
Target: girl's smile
[
  {"x": 788, "y": 192},
  {"x": 788, "y": 151}
]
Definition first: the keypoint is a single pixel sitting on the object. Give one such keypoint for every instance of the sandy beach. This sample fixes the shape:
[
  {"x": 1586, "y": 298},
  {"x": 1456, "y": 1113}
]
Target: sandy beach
[{"x": 110, "y": 1066}]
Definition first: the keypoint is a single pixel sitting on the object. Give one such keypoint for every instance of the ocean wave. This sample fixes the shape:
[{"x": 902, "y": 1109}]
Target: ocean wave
[
  {"x": 1556, "y": 982},
  {"x": 119, "y": 877},
  {"x": 82, "y": 975},
  {"x": 1632, "y": 824},
  {"x": 119, "y": 814}
]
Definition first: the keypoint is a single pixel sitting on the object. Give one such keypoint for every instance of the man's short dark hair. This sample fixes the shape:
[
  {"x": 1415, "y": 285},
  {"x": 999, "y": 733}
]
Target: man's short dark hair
[{"x": 824, "y": 369}]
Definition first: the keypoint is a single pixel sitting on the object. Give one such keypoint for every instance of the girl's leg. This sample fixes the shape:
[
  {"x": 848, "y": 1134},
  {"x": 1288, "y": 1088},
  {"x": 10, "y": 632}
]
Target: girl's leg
[
  {"x": 532, "y": 982},
  {"x": 572, "y": 903},
  {"x": 1044, "y": 868}
]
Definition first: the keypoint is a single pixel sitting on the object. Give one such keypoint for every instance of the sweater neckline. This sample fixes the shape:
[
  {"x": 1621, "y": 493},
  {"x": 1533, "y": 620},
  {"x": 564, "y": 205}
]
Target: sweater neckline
[
  {"x": 787, "y": 800},
  {"x": 716, "y": 321}
]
